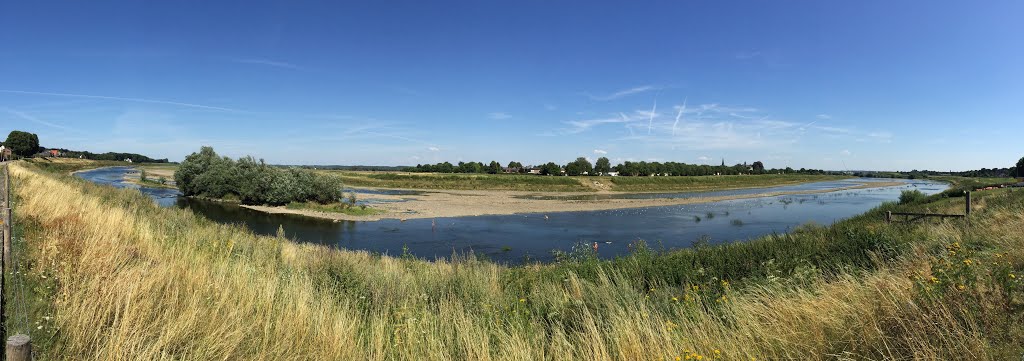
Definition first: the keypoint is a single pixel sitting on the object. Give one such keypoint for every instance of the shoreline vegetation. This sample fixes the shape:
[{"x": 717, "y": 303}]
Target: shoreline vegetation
[{"x": 169, "y": 284}]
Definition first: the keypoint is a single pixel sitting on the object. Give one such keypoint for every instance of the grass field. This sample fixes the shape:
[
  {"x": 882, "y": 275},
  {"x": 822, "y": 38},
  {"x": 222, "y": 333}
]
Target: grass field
[{"x": 111, "y": 276}]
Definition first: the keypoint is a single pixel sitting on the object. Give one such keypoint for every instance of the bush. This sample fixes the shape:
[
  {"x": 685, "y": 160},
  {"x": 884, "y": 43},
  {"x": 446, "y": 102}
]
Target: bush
[
  {"x": 912, "y": 196},
  {"x": 208, "y": 175}
]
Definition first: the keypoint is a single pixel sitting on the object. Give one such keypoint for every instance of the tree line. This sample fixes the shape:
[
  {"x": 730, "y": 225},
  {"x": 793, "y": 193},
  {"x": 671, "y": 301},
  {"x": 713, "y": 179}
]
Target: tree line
[
  {"x": 207, "y": 174},
  {"x": 25, "y": 145},
  {"x": 582, "y": 166},
  {"x": 1009, "y": 172}
]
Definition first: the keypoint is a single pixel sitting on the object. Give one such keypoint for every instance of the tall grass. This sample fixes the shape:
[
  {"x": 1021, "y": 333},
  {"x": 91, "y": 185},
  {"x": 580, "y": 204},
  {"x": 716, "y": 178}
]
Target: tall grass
[{"x": 134, "y": 281}]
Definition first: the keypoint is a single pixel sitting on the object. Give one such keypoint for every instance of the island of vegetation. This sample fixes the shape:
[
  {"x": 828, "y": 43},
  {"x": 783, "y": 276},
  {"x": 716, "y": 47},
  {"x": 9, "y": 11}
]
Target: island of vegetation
[{"x": 255, "y": 184}]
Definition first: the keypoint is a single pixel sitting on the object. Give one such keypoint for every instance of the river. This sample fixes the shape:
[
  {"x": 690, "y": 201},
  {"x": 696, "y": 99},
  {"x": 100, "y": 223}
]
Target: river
[{"x": 515, "y": 238}]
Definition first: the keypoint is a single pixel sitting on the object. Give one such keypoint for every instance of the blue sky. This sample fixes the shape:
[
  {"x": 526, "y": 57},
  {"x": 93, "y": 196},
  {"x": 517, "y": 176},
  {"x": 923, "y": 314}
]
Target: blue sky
[{"x": 816, "y": 84}]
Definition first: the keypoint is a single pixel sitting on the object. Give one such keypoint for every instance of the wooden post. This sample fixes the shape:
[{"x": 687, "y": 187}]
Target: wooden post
[
  {"x": 888, "y": 217},
  {"x": 967, "y": 211},
  {"x": 19, "y": 348}
]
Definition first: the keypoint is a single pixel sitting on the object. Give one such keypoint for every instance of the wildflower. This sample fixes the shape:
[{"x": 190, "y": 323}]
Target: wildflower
[
  {"x": 1012, "y": 276},
  {"x": 696, "y": 288},
  {"x": 935, "y": 280},
  {"x": 717, "y": 352},
  {"x": 968, "y": 261},
  {"x": 725, "y": 283},
  {"x": 676, "y": 299},
  {"x": 522, "y": 300},
  {"x": 677, "y": 358},
  {"x": 960, "y": 287},
  {"x": 40, "y": 327}
]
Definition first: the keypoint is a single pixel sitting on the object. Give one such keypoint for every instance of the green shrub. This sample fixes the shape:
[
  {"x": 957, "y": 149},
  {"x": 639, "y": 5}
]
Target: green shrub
[{"x": 911, "y": 196}]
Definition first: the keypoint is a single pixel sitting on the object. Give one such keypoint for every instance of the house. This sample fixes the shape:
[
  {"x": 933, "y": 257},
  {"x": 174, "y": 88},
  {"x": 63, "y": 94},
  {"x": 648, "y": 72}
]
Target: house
[
  {"x": 511, "y": 169},
  {"x": 5, "y": 153},
  {"x": 55, "y": 153},
  {"x": 612, "y": 174},
  {"x": 534, "y": 171}
]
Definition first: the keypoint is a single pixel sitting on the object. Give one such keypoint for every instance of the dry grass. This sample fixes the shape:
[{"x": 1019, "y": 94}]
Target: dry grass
[{"x": 134, "y": 281}]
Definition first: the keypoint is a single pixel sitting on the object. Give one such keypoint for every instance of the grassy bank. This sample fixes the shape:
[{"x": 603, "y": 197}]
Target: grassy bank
[
  {"x": 706, "y": 183},
  {"x": 534, "y": 183},
  {"x": 129, "y": 280}
]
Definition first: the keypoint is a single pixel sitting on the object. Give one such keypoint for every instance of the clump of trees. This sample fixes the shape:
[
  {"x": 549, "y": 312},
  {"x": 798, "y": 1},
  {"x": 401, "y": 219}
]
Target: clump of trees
[
  {"x": 209, "y": 175},
  {"x": 580, "y": 166},
  {"x": 22, "y": 144}
]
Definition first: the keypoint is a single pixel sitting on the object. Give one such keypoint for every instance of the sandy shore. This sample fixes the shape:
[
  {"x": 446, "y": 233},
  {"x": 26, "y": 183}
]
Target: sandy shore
[{"x": 477, "y": 203}]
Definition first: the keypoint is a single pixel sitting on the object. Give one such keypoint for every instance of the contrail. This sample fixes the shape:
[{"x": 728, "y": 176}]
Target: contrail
[
  {"x": 650, "y": 122},
  {"x": 679, "y": 116},
  {"x": 625, "y": 120},
  {"x": 137, "y": 100}
]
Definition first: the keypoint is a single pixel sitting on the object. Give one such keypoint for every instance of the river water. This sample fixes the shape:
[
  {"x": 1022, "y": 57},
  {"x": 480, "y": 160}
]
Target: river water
[{"x": 515, "y": 238}]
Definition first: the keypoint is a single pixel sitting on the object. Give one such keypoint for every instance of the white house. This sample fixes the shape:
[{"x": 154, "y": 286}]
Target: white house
[{"x": 613, "y": 174}]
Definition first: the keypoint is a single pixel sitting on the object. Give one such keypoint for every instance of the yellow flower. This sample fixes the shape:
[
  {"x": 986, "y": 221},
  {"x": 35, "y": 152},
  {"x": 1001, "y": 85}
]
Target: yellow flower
[
  {"x": 935, "y": 280},
  {"x": 960, "y": 287},
  {"x": 696, "y": 288},
  {"x": 522, "y": 300},
  {"x": 677, "y": 358},
  {"x": 968, "y": 262},
  {"x": 675, "y": 299},
  {"x": 717, "y": 351},
  {"x": 725, "y": 283},
  {"x": 1012, "y": 276},
  {"x": 699, "y": 357}
]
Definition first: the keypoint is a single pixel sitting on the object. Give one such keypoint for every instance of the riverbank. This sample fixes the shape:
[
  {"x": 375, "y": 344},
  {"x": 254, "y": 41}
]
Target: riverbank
[
  {"x": 860, "y": 288},
  {"x": 479, "y": 203}
]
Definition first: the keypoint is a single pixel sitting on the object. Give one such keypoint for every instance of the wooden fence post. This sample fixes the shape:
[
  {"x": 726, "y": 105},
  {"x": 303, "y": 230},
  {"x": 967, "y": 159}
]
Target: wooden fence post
[
  {"x": 888, "y": 217},
  {"x": 19, "y": 348},
  {"x": 967, "y": 211}
]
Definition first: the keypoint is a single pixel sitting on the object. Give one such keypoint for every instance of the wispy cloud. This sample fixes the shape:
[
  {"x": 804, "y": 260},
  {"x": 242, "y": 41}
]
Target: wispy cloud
[
  {"x": 33, "y": 119},
  {"x": 434, "y": 149},
  {"x": 267, "y": 62},
  {"x": 745, "y": 55},
  {"x": 499, "y": 116},
  {"x": 845, "y": 152},
  {"x": 824, "y": 116},
  {"x": 124, "y": 99},
  {"x": 600, "y": 151},
  {"x": 623, "y": 93}
]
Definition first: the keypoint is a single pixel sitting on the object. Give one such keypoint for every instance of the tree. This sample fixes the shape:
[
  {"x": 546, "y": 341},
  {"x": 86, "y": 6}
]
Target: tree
[
  {"x": 578, "y": 167},
  {"x": 602, "y": 166},
  {"x": 550, "y": 169},
  {"x": 1020, "y": 167},
  {"x": 758, "y": 167},
  {"x": 494, "y": 167},
  {"x": 22, "y": 144}
]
